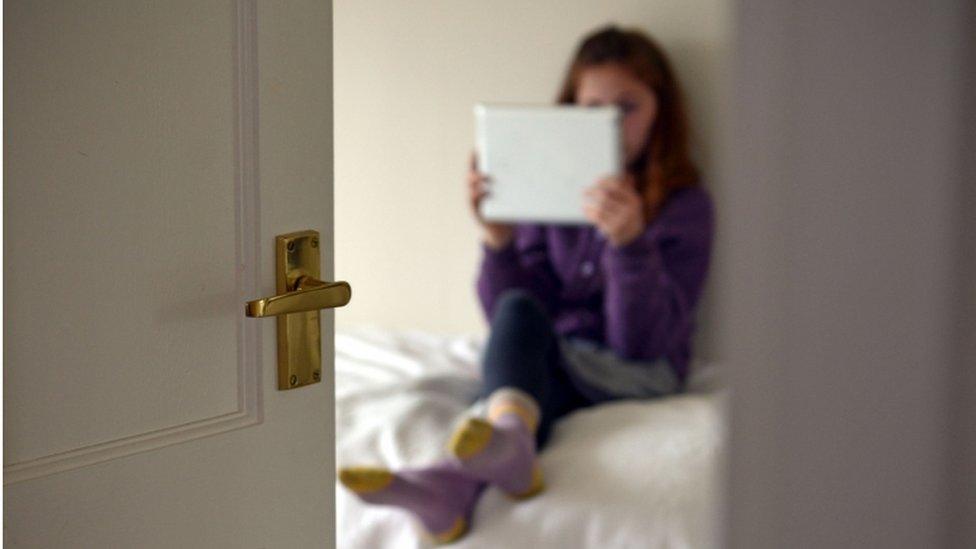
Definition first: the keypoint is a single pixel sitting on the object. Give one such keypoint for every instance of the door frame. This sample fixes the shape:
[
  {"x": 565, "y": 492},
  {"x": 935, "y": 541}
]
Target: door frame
[{"x": 821, "y": 455}]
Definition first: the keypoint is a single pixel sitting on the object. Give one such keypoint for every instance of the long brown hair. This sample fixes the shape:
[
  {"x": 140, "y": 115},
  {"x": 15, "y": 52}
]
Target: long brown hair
[{"x": 666, "y": 164}]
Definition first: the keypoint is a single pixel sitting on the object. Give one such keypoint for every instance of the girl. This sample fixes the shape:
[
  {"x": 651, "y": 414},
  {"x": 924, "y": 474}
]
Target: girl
[{"x": 579, "y": 315}]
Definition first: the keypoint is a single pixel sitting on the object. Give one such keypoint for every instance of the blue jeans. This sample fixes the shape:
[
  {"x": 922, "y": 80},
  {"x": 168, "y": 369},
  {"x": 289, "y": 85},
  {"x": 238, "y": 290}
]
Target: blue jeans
[{"x": 523, "y": 352}]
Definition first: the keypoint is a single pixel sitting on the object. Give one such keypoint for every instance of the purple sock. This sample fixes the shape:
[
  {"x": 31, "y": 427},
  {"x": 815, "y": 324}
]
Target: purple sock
[
  {"x": 501, "y": 452},
  {"x": 442, "y": 496}
]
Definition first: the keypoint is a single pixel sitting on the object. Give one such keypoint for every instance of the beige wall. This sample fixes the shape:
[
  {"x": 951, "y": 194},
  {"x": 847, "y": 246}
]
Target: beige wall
[{"x": 406, "y": 77}]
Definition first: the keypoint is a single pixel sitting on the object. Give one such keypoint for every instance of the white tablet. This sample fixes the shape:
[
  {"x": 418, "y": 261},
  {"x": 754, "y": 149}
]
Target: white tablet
[{"x": 541, "y": 158}]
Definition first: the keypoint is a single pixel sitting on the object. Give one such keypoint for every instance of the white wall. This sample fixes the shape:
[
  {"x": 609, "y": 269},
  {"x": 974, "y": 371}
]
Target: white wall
[{"x": 406, "y": 77}]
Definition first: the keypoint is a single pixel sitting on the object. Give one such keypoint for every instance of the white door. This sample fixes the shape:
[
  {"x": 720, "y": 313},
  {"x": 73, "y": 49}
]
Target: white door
[{"x": 153, "y": 151}]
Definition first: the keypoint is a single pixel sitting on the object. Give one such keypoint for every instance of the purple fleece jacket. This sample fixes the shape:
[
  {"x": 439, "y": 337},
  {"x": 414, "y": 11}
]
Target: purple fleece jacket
[{"x": 638, "y": 300}]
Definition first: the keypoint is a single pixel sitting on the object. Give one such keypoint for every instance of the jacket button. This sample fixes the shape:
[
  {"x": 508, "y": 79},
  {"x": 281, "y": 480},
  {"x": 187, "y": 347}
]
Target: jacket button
[{"x": 586, "y": 269}]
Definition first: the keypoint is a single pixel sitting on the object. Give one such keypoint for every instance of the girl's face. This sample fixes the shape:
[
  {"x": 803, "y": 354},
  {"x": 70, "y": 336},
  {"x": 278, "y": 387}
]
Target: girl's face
[{"x": 612, "y": 84}]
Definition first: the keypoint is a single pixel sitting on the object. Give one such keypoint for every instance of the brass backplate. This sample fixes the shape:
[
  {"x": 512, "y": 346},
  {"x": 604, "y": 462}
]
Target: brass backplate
[{"x": 299, "y": 334}]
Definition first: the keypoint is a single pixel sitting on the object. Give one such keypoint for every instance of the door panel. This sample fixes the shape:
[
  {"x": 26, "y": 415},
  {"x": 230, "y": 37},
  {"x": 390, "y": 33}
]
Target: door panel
[
  {"x": 120, "y": 231},
  {"x": 149, "y": 165}
]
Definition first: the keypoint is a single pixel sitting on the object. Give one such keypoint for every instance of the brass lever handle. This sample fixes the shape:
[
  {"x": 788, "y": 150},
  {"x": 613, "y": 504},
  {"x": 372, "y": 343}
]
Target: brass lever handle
[
  {"x": 299, "y": 291},
  {"x": 311, "y": 294}
]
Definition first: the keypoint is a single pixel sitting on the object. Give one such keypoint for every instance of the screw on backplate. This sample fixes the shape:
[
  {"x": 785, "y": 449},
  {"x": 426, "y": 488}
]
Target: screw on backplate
[
  {"x": 293, "y": 380},
  {"x": 316, "y": 375},
  {"x": 315, "y": 243},
  {"x": 291, "y": 246}
]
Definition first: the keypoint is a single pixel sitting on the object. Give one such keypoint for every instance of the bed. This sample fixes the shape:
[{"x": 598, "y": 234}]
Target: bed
[{"x": 629, "y": 474}]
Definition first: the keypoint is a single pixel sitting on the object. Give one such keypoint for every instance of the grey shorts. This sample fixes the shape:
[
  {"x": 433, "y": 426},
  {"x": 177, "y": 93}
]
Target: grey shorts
[{"x": 602, "y": 375}]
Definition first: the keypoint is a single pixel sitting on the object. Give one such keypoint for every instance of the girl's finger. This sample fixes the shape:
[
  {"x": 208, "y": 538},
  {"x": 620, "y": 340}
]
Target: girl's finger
[
  {"x": 592, "y": 214},
  {"x": 615, "y": 201},
  {"x": 612, "y": 183},
  {"x": 617, "y": 191},
  {"x": 624, "y": 188},
  {"x": 476, "y": 181},
  {"x": 610, "y": 213},
  {"x": 600, "y": 194},
  {"x": 478, "y": 192},
  {"x": 605, "y": 210}
]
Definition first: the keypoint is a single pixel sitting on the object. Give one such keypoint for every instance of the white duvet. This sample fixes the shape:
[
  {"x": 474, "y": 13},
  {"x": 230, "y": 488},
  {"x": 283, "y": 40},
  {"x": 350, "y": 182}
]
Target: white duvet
[{"x": 630, "y": 474}]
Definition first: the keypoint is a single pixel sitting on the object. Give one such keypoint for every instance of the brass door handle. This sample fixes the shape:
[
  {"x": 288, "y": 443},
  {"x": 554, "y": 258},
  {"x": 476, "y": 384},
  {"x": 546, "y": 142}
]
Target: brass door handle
[
  {"x": 296, "y": 307},
  {"x": 311, "y": 294}
]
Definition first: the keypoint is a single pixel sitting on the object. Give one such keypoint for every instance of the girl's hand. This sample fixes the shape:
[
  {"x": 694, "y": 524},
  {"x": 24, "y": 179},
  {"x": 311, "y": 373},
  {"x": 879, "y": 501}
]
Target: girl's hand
[
  {"x": 615, "y": 207},
  {"x": 495, "y": 235}
]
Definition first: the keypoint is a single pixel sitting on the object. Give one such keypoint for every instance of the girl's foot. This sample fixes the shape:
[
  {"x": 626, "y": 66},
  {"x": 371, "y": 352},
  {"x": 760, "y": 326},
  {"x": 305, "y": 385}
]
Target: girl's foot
[
  {"x": 441, "y": 496},
  {"x": 502, "y": 453}
]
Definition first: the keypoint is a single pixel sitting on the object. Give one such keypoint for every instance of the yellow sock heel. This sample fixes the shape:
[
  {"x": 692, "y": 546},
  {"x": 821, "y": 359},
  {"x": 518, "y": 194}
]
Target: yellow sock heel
[
  {"x": 471, "y": 438},
  {"x": 365, "y": 480},
  {"x": 537, "y": 485}
]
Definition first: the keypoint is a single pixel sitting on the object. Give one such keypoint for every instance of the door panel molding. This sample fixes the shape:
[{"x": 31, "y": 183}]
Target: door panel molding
[{"x": 247, "y": 231}]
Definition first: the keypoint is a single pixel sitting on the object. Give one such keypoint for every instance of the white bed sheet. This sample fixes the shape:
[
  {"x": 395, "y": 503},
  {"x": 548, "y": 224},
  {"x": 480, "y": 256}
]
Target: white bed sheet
[{"x": 630, "y": 474}]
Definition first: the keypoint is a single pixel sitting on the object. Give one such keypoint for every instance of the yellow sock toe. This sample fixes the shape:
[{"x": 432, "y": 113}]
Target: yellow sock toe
[
  {"x": 471, "y": 438},
  {"x": 365, "y": 480}
]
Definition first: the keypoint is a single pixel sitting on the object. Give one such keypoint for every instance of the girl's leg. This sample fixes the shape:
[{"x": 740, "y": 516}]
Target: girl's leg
[
  {"x": 523, "y": 353},
  {"x": 527, "y": 391}
]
